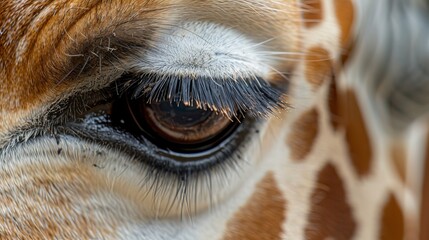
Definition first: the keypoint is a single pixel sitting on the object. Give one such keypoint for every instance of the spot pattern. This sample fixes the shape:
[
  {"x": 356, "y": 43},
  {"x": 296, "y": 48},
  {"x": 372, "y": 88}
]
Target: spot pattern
[
  {"x": 318, "y": 65},
  {"x": 312, "y": 12},
  {"x": 357, "y": 139},
  {"x": 303, "y": 135},
  {"x": 262, "y": 217},
  {"x": 392, "y": 221},
  {"x": 330, "y": 214},
  {"x": 345, "y": 112},
  {"x": 334, "y": 110},
  {"x": 345, "y": 16}
]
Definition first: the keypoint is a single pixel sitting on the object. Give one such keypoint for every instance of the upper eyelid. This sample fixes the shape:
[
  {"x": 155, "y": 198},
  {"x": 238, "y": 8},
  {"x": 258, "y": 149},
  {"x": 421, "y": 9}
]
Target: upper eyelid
[
  {"x": 228, "y": 95},
  {"x": 243, "y": 93}
]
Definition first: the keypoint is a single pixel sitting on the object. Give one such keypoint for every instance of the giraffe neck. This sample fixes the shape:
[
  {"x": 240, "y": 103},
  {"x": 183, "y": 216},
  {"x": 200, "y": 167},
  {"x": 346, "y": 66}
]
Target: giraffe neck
[{"x": 361, "y": 176}]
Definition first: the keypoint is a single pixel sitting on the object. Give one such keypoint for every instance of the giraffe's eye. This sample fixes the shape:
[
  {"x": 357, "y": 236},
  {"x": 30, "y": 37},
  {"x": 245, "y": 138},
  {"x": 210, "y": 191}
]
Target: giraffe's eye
[
  {"x": 179, "y": 127},
  {"x": 183, "y": 149}
]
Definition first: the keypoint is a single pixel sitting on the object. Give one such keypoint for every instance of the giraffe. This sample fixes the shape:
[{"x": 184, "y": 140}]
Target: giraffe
[{"x": 330, "y": 167}]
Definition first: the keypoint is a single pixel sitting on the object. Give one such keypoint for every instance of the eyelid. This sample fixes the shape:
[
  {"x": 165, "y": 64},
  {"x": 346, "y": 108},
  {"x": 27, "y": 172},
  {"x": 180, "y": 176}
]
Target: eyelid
[{"x": 231, "y": 97}]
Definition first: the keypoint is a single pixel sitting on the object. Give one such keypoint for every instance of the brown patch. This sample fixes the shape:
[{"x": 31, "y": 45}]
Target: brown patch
[
  {"x": 330, "y": 213},
  {"x": 345, "y": 16},
  {"x": 318, "y": 65},
  {"x": 357, "y": 138},
  {"x": 303, "y": 135},
  {"x": 399, "y": 158},
  {"x": 424, "y": 208},
  {"x": 334, "y": 112},
  {"x": 263, "y": 215},
  {"x": 312, "y": 12},
  {"x": 392, "y": 221}
]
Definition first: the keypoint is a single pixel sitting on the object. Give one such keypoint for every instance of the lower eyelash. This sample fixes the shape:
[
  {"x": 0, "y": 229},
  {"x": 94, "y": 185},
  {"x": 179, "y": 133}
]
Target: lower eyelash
[
  {"x": 184, "y": 191},
  {"x": 183, "y": 187}
]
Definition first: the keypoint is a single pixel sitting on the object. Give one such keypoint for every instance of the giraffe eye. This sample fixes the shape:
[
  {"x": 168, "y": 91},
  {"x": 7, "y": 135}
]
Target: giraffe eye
[
  {"x": 182, "y": 149},
  {"x": 169, "y": 134},
  {"x": 178, "y": 126}
]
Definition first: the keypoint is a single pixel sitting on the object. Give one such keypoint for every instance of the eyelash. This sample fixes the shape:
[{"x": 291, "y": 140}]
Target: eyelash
[
  {"x": 186, "y": 188},
  {"x": 233, "y": 97}
]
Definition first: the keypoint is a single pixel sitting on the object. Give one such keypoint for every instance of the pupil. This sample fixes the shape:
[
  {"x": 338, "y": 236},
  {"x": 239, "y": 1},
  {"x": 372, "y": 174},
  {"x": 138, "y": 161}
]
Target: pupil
[{"x": 180, "y": 115}]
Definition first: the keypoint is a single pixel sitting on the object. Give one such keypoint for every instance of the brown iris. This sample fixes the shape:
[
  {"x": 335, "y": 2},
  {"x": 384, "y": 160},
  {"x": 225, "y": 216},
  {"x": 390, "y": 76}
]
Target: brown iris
[{"x": 178, "y": 126}]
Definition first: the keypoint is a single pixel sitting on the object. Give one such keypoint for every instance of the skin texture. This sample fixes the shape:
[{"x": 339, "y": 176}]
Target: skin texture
[{"x": 321, "y": 169}]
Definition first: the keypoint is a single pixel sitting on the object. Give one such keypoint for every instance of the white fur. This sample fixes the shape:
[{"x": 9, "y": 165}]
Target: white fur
[{"x": 203, "y": 49}]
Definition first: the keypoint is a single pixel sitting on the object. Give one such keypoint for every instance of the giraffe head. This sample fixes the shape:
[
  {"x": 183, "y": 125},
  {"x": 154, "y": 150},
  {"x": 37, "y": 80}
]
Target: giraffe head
[{"x": 185, "y": 119}]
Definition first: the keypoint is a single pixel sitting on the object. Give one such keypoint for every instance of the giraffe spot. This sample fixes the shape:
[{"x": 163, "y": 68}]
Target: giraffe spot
[
  {"x": 312, "y": 12},
  {"x": 399, "y": 159},
  {"x": 392, "y": 221},
  {"x": 330, "y": 214},
  {"x": 318, "y": 65},
  {"x": 424, "y": 208},
  {"x": 334, "y": 112},
  {"x": 262, "y": 217},
  {"x": 345, "y": 17},
  {"x": 303, "y": 135},
  {"x": 356, "y": 134}
]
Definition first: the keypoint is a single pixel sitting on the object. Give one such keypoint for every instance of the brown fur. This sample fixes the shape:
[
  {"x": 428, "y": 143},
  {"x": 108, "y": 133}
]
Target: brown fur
[
  {"x": 358, "y": 140},
  {"x": 318, "y": 66},
  {"x": 261, "y": 218},
  {"x": 392, "y": 221},
  {"x": 333, "y": 104},
  {"x": 303, "y": 135},
  {"x": 331, "y": 215},
  {"x": 345, "y": 15}
]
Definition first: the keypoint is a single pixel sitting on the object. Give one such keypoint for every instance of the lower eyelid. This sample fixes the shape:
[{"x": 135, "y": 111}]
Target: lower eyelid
[{"x": 183, "y": 188}]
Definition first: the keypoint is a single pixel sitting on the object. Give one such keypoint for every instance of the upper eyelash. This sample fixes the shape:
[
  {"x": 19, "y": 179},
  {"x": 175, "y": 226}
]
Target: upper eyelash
[{"x": 231, "y": 97}]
